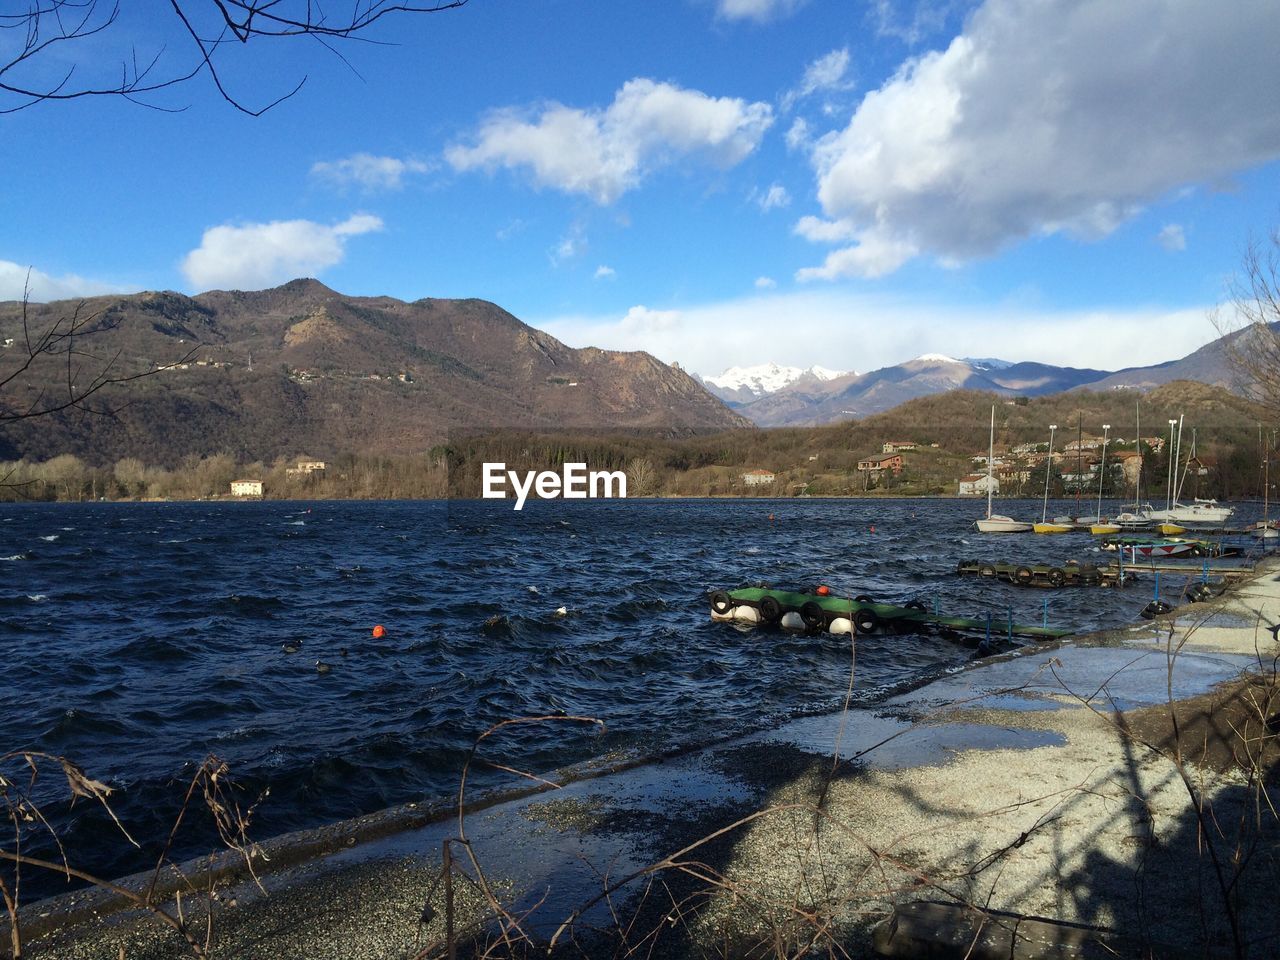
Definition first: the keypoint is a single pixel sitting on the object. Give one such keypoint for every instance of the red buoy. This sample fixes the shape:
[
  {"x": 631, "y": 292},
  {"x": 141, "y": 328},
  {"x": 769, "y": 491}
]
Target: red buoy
[
  {"x": 823, "y": 590},
  {"x": 379, "y": 632}
]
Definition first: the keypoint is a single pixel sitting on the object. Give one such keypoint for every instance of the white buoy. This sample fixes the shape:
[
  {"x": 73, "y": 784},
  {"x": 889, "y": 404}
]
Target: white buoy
[
  {"x": 841, "y": 625},
  {"x": 792, "y": 621},
  {"x": 562, "y": 611},
  {"x": 745, "y": 614}
]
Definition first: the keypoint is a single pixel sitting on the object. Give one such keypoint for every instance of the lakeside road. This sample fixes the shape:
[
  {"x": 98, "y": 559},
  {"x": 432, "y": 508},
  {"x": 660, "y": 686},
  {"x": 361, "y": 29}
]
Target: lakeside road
[{"x": 1123, "y": 780}]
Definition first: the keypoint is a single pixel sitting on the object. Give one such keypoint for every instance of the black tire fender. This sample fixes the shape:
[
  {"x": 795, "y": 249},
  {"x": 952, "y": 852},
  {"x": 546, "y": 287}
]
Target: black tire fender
[
  {"x": 987, "y": 570},
  {"x": 1023, "y": 575},
  {"x": 813, "y": 615},
  {"x": 866, "y": 621},
  {"x": 1156, "y": 608},
  {"x": 721, "y": 602},
  {"x": 1057, "y": 576},
  {"x": 770, "y": 609}
]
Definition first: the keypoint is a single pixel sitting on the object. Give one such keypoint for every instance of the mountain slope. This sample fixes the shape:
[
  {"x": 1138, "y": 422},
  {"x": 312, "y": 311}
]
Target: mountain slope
[{"x": 303, "y": 368}]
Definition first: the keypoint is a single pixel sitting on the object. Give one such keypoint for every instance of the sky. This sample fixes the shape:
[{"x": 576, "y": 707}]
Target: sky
[{"x": 719, "y": 182}]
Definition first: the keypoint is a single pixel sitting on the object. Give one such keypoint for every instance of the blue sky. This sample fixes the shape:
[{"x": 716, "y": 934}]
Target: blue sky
[{"x": 721, "y": 182}]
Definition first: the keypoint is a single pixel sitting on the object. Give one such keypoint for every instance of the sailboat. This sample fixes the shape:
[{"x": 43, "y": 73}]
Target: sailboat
[
  {"x": 1046, "y": 525},
  {"x": 1266, "y": 528},
  {"x": 993, "y": 522},
  {"x": 1100, "y": 525},
  {"x": 1139, "y": 517},
  {"x": 1204, "y": 512}
]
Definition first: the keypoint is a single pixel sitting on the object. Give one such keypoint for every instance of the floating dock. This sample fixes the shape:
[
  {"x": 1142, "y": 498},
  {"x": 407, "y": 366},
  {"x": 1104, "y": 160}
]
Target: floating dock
[
  {"x": 814, "y": 612},
  {"x": 1048, "y": 575}
]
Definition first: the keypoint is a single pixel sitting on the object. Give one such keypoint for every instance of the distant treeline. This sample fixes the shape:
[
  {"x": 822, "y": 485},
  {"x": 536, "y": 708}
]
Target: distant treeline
[{"x": 818, "y": 461}]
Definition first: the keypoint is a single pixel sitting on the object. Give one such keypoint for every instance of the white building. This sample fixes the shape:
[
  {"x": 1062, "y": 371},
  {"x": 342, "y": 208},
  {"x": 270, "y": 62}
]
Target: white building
[
  {"x": 755, "y": 478},
  {"x": 976, "y": 483},
  {"x": 246, "y": 488}
]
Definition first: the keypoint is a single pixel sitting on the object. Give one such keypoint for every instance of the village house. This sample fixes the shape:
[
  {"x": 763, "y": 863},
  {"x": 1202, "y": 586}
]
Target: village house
[
  {"x": 897, "y": 446},
  {"x": 1085, "y": 443},
  {"x": 756, "y": 478},
  {"x": 976, "y": 483},
  {"x": 1130, "y": 461},
  {"x": 1016, "y": 474},
  {"x": 246, "y": 488},
  {"x": 1200, "y": 466},
  {"x": 877, "y": 464},
  {"x": 305, "y": 467}
]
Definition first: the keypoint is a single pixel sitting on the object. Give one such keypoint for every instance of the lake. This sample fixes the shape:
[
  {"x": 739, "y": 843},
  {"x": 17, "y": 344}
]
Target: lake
[{"x": 139, "y": 638}]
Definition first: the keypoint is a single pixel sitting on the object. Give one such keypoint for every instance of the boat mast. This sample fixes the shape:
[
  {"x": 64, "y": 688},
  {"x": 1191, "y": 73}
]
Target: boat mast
[
  {"x": 1102, "y": 467},
  {"x": 991, "y": 452},
  {"x": 1079, "y": 441},
  {"x": 1176, "y": 488},
  {"x": 1137, "y": 446},
  {"x": 1044, "y": 513}
]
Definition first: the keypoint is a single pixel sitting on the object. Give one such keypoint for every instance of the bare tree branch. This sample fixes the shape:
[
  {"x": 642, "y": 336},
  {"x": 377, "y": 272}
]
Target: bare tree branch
[
  {"x": 83, "y": 373},
  {"x": 48, "y": 28},
  {"x": 1254, "y": 350}
]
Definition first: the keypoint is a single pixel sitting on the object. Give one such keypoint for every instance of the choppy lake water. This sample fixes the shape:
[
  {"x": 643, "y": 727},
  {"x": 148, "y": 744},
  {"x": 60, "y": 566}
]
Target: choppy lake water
[{"x": 139, "y": 638}]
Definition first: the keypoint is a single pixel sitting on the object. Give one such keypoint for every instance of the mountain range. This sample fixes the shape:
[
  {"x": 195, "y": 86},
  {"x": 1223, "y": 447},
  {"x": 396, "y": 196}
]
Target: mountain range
[
  {"x": 303, "y": 370},
  {"x": 810, "y": 400}
]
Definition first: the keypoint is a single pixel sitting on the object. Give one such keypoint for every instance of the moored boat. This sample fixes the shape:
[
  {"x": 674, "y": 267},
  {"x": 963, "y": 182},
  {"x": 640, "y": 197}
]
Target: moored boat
[
  {"x": 1052, "y": 526},
  {"x": 1152, "y": 549},
  {"x": 994, "y": 522}
]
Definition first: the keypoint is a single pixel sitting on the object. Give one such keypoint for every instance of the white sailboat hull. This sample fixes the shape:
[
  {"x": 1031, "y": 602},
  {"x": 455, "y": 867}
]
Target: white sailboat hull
[
  {"x": 999, "y": 524},
  {"x": 1201, "y": 511}
]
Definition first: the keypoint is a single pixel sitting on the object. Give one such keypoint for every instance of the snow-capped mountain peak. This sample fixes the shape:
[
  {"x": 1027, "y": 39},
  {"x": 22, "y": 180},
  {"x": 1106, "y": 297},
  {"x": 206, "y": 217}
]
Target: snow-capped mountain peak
[
  {"x": 935, "y": 358},
  {"x": 766, "y": 378},
  {"x": 988, "y": 363},
  {"x": 822, "y": 373}
]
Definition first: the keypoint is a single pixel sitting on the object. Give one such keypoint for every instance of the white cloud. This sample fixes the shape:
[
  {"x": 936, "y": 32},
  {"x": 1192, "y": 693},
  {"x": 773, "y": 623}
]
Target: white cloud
[
  {"x": 925, "y": 20},
  {"x": 368, "y": 171},
  {"x": 605, "y": 272},
  {"x": 798, "y": 135},
  {"x": 874, "y": 255},
  {"x": 642, "y": 321},
  {"x": 864, "y": 332},
  {"x": 253, "y": 256},
  {"x": 571, "y": 246},
  {"x": 760, "y": 11},
  {"x": 765, "y": 283},
  {"x": 604, "y": 153},
  {"x": 1055, "y": 115},
  {"x": 817, "y": 230},
  {"x": 43, "y": 287},
  {"x": 825, "y": 73},
  {"x": 773, "y": 198},
  {"x": 511, "y": 229},
  {"x": 1172, "y": 237}
]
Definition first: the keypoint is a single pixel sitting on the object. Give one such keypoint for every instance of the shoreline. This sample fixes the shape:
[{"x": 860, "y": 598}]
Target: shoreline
[{"x": 939, "y": 735}]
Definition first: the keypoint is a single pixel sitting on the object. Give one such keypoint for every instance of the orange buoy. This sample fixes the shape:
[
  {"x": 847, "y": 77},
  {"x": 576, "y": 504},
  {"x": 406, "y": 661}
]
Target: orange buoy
[
  {"x": 873, "y": 528},
  {"x": 379, "y": 632},
  {"x": 823, "y": 590}
]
